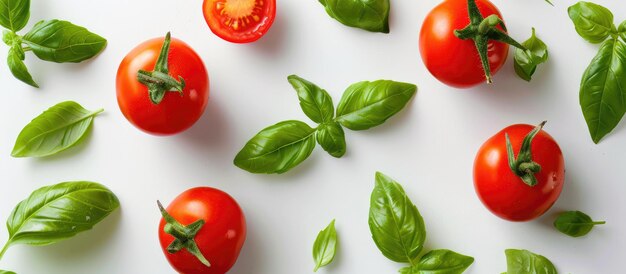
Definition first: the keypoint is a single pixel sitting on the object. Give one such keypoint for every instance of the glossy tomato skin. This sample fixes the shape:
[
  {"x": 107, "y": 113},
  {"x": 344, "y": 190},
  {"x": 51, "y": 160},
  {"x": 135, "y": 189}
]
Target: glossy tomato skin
[
  {"x": 256, "y": 25},
  {"x": 220, "y": 239},
  {"x": 175, "y": 113},
  {"x": 453, "y": 61},
  {"x": 504, "y": 193}
]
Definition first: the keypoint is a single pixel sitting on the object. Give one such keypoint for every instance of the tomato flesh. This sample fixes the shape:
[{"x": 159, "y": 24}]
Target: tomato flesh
[{"x": 240, "y": 21}]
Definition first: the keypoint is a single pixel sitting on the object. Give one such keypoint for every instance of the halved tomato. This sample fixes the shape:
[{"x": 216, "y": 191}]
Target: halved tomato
[{"x": 239, "y": 21}]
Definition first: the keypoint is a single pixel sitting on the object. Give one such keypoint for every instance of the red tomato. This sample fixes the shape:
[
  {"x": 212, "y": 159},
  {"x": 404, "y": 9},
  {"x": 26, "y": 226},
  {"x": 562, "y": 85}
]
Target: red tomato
[
  {"x": 502, "y": 191},
  {"x": 220, "y": 238},
  {"x": 239, "y": 21},
  {"x": 176, "y": 112},
  {"x": 453, "y": 61}
]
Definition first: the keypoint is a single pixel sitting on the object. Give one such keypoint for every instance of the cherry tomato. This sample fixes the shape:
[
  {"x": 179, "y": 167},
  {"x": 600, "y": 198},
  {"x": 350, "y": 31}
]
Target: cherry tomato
[
  {"x": 177, "y": 111},
  {"x": 508, "y": 194},
  {"x": 219, "y": 237},
  {"x": 239, "y": 21},
  {"x": 453, "y": 61}
]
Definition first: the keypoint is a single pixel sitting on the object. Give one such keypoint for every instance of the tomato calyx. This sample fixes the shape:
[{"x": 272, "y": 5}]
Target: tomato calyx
[
  {"x": 184, "y": 235},
  {"x": 481, "y": 30},
  {"x": 524, "y": 166},
  {"x": 159, "y": 82}
]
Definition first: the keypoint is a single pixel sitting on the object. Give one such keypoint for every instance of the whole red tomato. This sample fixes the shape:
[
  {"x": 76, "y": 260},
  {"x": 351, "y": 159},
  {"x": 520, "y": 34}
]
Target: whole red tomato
[
  {"x": 239, "y": 21},
  {"x": 525, "y": 186},
  {"x": 202, "y": 231},
  {"x": 162, "y": 86},
  {"x": 453, "y": 61}
]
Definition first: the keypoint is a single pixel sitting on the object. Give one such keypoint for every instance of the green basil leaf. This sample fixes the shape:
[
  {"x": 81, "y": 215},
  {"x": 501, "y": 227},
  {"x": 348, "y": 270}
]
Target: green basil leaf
[
  {"x": 526, "y": 61},
  {"x": 325, "y": 246},
  {"x": 14, "y": 14},
  {"x": 370, "y": 15},
  {"x": 18, "y": 68},
  {"x": 443, "y": 261},
  {"x": 526, "y": 262},
  {"x": 593, "y": 22},
  {"x": 368, "y": 104},
  {"x": 278, "y": 148},
  {"x": 602, "y": 92},
  {"x": 395, "y": 223},
  {"x": 54, "y": 213},
  {"x": 6, "y": 272},
  {"x": 62, "y": 42},
  {"x": 332, "y": 139},
  {"x": 622, "y": 30},
  {"x": 575, "y": 223},
  {"x": 315, "y": 102},
  {"x": 56, "y": 129}
]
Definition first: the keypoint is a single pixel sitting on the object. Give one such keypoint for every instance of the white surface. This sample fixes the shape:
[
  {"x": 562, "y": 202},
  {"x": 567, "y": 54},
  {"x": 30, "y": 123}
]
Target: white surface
[{"x": 429, "y": 147}]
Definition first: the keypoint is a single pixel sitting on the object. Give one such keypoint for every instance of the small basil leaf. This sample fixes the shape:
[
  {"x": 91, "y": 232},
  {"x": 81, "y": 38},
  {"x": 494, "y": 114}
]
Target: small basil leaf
[
  {"x": 602, "y": 92},
  {"x": 325, "y": 246},
  {"x": 332, "y": 139},
  {"x": 370, "y": 15},
  {"x": 6, "y": 272},
  {"x": 315, "y": 102},
  {"x": 593, "y": 22},
  {"x": 395, "y": 223},
  {"x": 443, "y": 261},
  {"x": 54, "y": 213},
  {"x": 368, "y": 104},
  {"x": 61, "y": 42},
  {"x": 575, "y": 223},
  {"x": 18, "y": 68},
  {"x": 526, "y": 61},
  {"x": 526, "y": 262},
  {"x": 14, "y": 14},
  {"x": 56, "y": 129},
  {"x": 278, "y": 148}
]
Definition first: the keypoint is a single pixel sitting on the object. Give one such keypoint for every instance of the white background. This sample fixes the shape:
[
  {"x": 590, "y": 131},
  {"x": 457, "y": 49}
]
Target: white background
[{"x": 429, "y": 147}]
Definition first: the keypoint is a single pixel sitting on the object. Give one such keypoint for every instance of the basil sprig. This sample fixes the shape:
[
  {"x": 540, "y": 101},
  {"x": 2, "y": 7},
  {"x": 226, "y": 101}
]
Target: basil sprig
[
  {"x": 602, "y": 93},
  {"x": 281, "y": 147},
  {"x": 575, "y": 223},
  {"x": 325, "y": 246},
  {"x": 54, "y": 40},
  {"x": 525, "y": 262},
  {"x": 370, "y": 15},
  {"x": 526, "y": 61},
  {"x": 399, "y": 232}
]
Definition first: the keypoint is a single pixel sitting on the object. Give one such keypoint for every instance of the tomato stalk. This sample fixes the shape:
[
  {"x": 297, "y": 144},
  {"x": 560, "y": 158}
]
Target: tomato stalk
[
  {"x": 184, "y": 235},
  {"x": 524, "y": 167},
  {"x": 159, "y": 82},
  {"x": 481, "y": 30}
]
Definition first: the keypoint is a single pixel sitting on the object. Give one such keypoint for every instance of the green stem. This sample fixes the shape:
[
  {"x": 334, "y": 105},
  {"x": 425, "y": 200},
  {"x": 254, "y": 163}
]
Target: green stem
[
  {"x": 4, "y": 250},
  {"x": 523, "y": 166},
  {"x": 598, "y": 223},
  {"x": 159, "y": 82}
]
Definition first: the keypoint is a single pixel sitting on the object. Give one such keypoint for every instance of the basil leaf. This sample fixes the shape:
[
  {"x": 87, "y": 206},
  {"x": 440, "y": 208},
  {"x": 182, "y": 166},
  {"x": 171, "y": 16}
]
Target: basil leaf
[
  {"x": 315, "y": 102},
  {"x": 575, "y": 223},
  {"x": 6, "y": 272},
  {"x": 56, "y": 129},
  {"x": 61, "y": 42},
  {"x": 18, "y": 68},
  {"x": 443, "y": 261},
  {"x": 332, "y": 139},
  {"x": 622, "y": 30},
  {"x": 395, "y": 223},
  {"x": 278, "y": 148},
  {"x": 593, "y": 22},
  {"x": 526, "y": 262},
  {"x": 526, "y": 61},
  {"x": 14, "y": 14},
  {"x": 602, "y": 93},
  {"x": 370, "y": 15},
  {"x": 54, "y": 213},
  {"x": 368, "y": 104},
  {"x": 325, "y": 246}
]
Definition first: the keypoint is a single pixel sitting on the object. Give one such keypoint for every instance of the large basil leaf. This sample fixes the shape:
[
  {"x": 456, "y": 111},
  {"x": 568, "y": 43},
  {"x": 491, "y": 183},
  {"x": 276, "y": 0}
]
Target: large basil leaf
[
  {"x": 315, "y": 102},
  {"x": 54, "y": 213},
  {"x": 395, "y": 223},
  {"x": 14, "y": 14},
  {"x": 56, "y": 129},
  {"x": 368, "y": 104},
  {"x": 526, "y": 262},
  {"x": 15, "y": 60},
  {"x": 61, "y": 42},
  {"x": 371, "y": 15},
  {"x": 593, "y": 22},
  {"x": 575, "y": 223},
  {"x": 325, "y": 246},
  {"x": 6, "y": 272},
  {"x": 526, "y": 61},
  {"x": 602, "y": 91},
  {"x": 332, "y": 139},
  {"x": 442, "y": 261},
  {"x": 278, "y": 148}
]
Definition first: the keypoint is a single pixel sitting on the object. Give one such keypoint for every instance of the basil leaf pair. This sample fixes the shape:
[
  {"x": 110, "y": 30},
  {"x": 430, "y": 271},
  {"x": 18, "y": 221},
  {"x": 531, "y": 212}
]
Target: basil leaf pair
[
  {"x": 399, "y": 232},
  {"x": 575, "y": 223},
  {"x": 370, "y": 15},
  {"x": 325, "y": 246},
  {"x": 602, "y": 95},
  {"x": 526, "y": 61},
  {"x": 526, "y": 262},
  {"x": 281, "y": 147}
]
